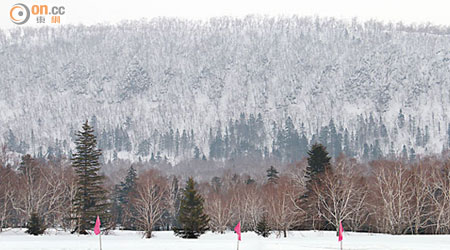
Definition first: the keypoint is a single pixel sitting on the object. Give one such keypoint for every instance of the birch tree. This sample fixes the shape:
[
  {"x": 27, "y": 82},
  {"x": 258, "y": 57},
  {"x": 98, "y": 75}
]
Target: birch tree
[
  {"x": 281, "y": 198},
  {"x": 340, "y": 193},
  {"x": 151, "y": 200}
]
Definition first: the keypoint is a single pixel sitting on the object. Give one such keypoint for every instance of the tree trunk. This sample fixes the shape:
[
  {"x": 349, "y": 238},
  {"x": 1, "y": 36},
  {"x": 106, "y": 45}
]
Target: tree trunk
[{"x": 148, "y": 234}]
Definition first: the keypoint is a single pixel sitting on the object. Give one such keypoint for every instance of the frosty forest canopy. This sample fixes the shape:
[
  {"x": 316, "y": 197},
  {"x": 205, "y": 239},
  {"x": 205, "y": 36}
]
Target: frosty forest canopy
[
  {"x": 277, "y": 124},
  {"x": 228, "y": 88}
]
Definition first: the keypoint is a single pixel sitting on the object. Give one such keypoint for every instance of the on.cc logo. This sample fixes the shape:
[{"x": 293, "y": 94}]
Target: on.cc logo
[{"x": 19, "y": 13}]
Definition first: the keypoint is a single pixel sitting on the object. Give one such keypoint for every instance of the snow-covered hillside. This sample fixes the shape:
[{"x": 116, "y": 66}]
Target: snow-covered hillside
[{"x": 138, "y": 78}]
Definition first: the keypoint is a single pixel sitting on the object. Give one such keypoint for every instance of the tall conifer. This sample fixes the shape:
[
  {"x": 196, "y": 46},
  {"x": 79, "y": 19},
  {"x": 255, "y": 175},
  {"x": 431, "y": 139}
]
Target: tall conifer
[
  {"x": 91, "y": 198},
  {"x": 192, "y": 221},
  {"x": 318, "y": 161}
]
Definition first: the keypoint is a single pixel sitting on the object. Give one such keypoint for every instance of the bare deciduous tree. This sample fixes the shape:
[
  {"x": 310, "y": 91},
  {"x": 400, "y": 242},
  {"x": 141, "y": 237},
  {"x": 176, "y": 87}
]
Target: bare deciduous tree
[
  {"x": 220, "y": 209},
  {"x": 340, "y": 193},
  {"x": 150, "y": 201},
  {"x": 281, "y": 199},
  {"x": 439, "y": 195},
  {"x": 7, "y": 177},
  {"x": 420, "y": 211},
  {"x": 392, "y": 184},
  {"x": 249, "y": 203},
  {"x": 43, "y": 189}
]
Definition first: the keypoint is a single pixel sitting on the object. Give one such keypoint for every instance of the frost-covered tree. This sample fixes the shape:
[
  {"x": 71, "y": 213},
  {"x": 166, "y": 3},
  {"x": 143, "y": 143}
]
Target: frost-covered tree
[
  {"x": 161, "y": 78},
  {"x": 136, "y": 80}
]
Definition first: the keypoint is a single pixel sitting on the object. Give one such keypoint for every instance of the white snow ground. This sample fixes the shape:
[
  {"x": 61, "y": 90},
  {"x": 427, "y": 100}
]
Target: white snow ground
[{"x": 16, "y": 239}]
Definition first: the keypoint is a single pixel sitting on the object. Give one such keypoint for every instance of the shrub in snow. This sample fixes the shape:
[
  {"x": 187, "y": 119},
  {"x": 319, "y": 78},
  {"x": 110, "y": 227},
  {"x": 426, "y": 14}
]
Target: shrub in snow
[{"x": 35, "y": 225}]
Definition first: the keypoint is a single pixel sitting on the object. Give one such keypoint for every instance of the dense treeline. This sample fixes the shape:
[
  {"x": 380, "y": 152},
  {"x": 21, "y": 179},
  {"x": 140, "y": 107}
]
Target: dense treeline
[
  {"x": 390, "y": 196},
  {"x": 246, "y": 136}
]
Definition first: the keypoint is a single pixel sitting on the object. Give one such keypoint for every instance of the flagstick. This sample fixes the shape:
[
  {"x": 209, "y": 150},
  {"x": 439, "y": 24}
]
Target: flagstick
[
  {"x": 100, "y": 238},
  {"x": 341, "y": 244},
  {"x": 238, "y": 245}
]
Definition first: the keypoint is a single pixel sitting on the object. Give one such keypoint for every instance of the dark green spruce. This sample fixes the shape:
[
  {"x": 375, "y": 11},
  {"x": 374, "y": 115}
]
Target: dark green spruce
[
  {"x": 318, "y": 164},
  {"x": 272, "y": 174},
  {"x": 91, "y": 198},
  {"x": 192, "y": 221},
  {"x": 35, "y": 225},
  {"x": 123, "y": 193},
  {"x": 318, "y": 161},
  {"x": 263, "y": 228}
]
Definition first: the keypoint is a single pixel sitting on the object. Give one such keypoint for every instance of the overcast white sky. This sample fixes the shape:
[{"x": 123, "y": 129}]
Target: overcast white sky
[{"x": 97, "y": 11}]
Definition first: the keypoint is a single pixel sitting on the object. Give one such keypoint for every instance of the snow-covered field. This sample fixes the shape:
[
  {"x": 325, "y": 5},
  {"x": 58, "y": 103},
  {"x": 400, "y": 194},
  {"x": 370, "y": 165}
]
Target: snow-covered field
[{"x": 16, "y": 239}]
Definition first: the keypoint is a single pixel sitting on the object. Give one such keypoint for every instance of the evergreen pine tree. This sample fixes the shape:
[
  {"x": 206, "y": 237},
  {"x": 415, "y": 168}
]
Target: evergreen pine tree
[
  {"x": 401, "y": 119},
  {"x": 128, "y": 185},
  {"x": 318, "y": 161},
  {"x": 404, "y": 153},
  {"x": 383, "y": 131},
  {"x": 366, "y": 150},
  {"x": 448, "y": 135},
  {"x": 192, "y": 221},
  {"x": 91, "y": 198},
  {"x": 250, "y": 181},
  {"x": 291, "y": 141},
  {"x": 152, "y": 158},
  {"x": 196, "y": 153},
  {"x": 177, "y": 142},
  {"x": 426, "y": 136},
  {"x": 334, "y": 140},
  {"x": 35, "y": 225},
  {"x": 376, "y": 151},
  {"x": 116, "y": 206},
  {"x": 324, "y": 135},
  {"x": 128, "y": 189},
  {"x": 262, "y": 228},
  {"x": 392, "y": 154},
  {"x": 272, "y": 174},
  {"x": 122, "y": 210},
  {"x": 412, "y": 155},
  {"x": 143, "y": 148},
  {"x": 419, "y": 139},
  {"x": 11, "y": 141},
  {"x": 347, "y": 145}
]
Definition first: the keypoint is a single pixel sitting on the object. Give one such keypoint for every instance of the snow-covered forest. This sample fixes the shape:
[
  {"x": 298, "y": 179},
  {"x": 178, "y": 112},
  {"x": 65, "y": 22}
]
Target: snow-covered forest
[
  {"x": 278, "y": 124},
  {"x": 224, "y": 88}
]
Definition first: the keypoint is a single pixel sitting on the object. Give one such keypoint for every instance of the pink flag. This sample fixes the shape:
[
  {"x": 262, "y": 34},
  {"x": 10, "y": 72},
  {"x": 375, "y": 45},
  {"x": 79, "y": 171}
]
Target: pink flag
[
  {"x": 97, "y": 226},
  {"x": 341, "y": 231},
  {"x": 237, "y": 229}
]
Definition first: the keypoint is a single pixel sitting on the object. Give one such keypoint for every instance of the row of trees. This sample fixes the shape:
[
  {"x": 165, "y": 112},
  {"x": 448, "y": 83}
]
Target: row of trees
[
  {"x": 394, "y": 197},
  {"x": 72, "y": 195},
  {"x": 315, "y": 193},
  {"x": 248, "y": 136}
]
